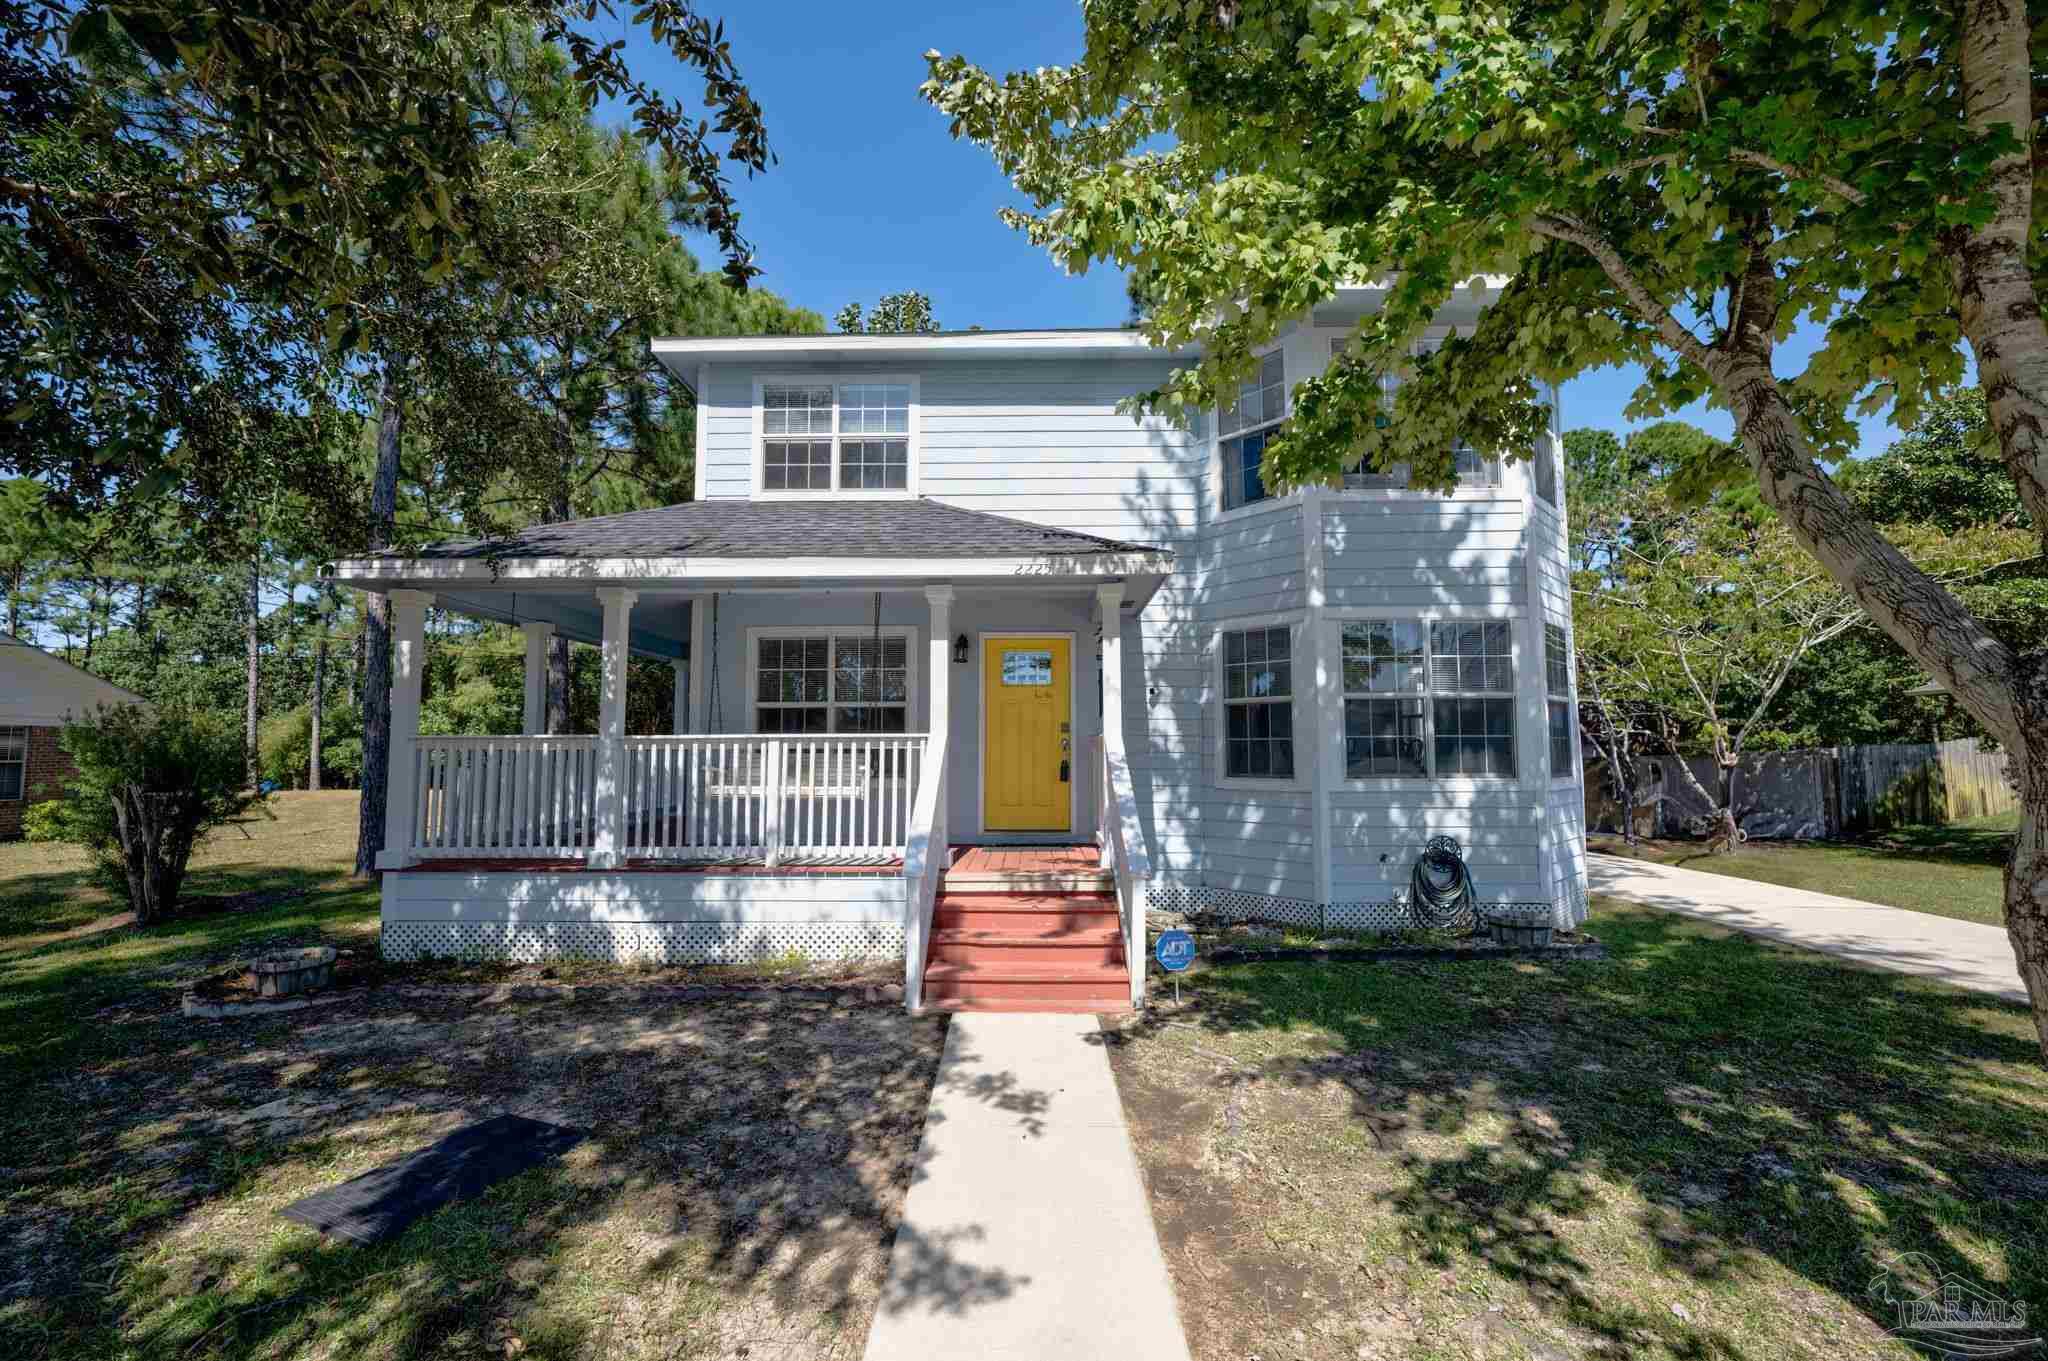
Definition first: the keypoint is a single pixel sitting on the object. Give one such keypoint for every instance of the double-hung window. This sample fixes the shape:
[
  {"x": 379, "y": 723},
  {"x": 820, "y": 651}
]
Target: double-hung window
[
  {"x": 1557, "y": 681},
  {"x": 1473, "y": 471},
  {"x": 1258, "y": 703},
  {"x": 844, "y": 683},
  {"x": 13, "y": 764},
  {"x": 835, "y": 437},
  {"x": 1428, "y": 699},
  {"x": 1246, "y": 427}
]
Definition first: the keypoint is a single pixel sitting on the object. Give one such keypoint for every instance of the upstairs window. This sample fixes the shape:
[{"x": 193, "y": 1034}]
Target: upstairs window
[
  {"x": 835, "y": 437},
  {"x": 1473, "y": 471},
  {"x": 1245, "y": 429}
]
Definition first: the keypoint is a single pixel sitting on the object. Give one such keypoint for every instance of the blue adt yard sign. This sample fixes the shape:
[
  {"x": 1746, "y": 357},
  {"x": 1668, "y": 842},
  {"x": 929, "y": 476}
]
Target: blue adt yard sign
[{"x": 1175, "y": 950}]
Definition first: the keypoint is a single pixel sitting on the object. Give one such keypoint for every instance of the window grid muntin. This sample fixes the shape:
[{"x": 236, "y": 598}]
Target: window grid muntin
[
  {"x": 1408, "y": 710},
  {"x": 13, "y": 763},
  {"x": 1258, "y": 703},
  {"x": 831, "y": 683},
  {"x": 867, "y": 430},
  {"x": 1246, "y": 427}
]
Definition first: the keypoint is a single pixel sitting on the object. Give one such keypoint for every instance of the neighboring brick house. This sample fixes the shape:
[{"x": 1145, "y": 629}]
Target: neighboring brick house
[{"x": 38, "y": 693}]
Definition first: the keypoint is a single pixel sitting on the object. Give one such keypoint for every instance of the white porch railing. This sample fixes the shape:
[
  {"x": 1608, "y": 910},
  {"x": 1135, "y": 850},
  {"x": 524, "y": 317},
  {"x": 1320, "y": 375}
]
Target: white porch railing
[
  {"x": 502, "y": 796},
  {"x": 763, "y": 798},
  {"x": 1122, "y": 839},
  {"x": 770, "y": 798},
  {"x": 926, "y": 855}
]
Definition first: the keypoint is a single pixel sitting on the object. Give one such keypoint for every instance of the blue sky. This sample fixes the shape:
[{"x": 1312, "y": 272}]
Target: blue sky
[{"x": 872, "y": 196}]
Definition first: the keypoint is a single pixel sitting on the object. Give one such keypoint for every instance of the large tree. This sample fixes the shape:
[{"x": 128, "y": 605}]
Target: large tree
[{"x": 1675, "y": 184}]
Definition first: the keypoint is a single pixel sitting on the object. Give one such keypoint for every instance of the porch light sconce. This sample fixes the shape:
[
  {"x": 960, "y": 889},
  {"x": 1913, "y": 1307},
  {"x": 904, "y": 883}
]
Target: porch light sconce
[{"x": 960, "y": 650}]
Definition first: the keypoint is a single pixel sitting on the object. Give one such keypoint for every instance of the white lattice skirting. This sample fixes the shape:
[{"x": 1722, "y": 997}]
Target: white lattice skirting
[
  {"x": 653, "y": 942},
  {"x": 1392, "y": 915}
]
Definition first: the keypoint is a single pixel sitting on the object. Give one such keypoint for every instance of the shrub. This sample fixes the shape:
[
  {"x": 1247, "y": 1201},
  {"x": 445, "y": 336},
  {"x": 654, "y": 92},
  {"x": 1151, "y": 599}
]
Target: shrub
[
  {"x": 285, "y": 746},
  {"x": 44, "y": 821},
  {"x": 151, "y": 784}
]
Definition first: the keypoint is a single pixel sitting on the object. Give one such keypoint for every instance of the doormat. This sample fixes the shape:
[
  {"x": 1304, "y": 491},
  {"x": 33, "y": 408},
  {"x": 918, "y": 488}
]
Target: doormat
[{"x": 384, "y": 1201}]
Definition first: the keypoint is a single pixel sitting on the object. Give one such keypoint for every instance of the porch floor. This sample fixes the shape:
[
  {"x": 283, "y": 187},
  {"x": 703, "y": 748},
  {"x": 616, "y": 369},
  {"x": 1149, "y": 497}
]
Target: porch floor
[{"x": 967, "y": 860}]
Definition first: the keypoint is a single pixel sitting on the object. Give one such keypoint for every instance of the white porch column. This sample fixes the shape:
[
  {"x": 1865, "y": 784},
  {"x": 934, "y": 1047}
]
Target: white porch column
[
  {"x": 534, "y": 724},
  {"x": 700, "y": 662},
  {"x": 1109, "y": 601},
  {"x": 939, "y": 703},
  {"x": 682, "y": 670},
  {"x": 401, "y": 783},
  {"x": 608, "y": 824}
]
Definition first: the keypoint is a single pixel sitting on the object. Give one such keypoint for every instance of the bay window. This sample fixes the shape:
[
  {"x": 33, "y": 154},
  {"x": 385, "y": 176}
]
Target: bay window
[
  {"x": 835, "y": 437},
  {"x": 1557, "y": 682},
  {"x": 1246, "y": 427},
  {"x": 1428, "y": 698}
]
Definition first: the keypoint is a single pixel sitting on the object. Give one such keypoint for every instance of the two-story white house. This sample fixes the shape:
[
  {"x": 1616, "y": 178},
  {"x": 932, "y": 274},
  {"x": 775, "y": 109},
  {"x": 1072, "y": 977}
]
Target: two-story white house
[{"x": 970, "y": 667}]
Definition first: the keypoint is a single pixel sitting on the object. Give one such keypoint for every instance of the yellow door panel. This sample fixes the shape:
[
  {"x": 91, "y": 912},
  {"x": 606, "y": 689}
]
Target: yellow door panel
[{"x": 1027, "y": 759}]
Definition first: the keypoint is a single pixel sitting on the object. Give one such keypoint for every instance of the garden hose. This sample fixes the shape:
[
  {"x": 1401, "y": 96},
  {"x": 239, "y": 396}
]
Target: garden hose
[{"x": 1440, "y": 893}]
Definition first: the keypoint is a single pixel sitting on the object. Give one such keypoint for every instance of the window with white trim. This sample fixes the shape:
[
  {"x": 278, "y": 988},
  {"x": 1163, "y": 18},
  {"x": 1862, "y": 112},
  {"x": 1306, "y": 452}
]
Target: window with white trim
[
  {"x": 844, "y": 683},
  {"x": 1473, "y": 471},
  {"x": 1246, "y": 427},
  {"x": 13, "y": 763},
  {"x": 1557, "y": 681},
  {"x": 1258, "y": 703},
  {"x": 1428, "y": 698},
  {"x": 823, "y": 437}
]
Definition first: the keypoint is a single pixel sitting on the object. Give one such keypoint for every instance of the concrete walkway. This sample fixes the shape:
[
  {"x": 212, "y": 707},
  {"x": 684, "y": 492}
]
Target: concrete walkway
[
  {"x": 1026, "y": 1233},
  {"x": 1967, "y": 954}
]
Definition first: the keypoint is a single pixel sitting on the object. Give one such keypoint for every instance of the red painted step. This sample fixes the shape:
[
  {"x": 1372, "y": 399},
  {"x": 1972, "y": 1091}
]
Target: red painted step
[{"x": 1026, "y": 949}]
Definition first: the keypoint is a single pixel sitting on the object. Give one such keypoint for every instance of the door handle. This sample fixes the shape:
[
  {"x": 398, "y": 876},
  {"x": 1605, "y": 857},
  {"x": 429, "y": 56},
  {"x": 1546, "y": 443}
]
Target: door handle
[{"x": 1066, "y": 771}]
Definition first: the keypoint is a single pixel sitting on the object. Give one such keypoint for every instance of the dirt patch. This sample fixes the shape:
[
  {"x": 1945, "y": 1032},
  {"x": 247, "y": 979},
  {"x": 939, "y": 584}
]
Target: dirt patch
[{"x": 743, "y": 1178}]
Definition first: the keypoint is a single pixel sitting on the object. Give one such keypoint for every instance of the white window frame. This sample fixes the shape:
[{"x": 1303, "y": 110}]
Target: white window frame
[
  {"x": 830, "y": 631},
  {"x": 1428, "y": 614},
  {"x": 1570, "y": 700},
  {"x": 1497, "y": 489},
  {"x": 7, "y": 734},
  {"x": 1302, "y": 696},
  {"x": 1219, "y": 473},
  {"x": 837, "y": 381}
]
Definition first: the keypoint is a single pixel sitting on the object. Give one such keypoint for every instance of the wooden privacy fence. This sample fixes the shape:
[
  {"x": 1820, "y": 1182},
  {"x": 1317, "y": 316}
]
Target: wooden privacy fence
[{"x": 1824, "y": 792}]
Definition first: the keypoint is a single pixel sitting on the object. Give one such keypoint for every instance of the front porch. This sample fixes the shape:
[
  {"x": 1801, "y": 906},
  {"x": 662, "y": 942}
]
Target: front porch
[{"x": 831, "y": 750}]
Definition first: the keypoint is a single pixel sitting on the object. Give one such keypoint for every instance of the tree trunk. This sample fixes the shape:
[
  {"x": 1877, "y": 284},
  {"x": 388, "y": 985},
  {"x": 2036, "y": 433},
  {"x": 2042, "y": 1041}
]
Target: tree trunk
[
  {"x": 377, "y": 630},
  {"x": 2026, "y": 878},
  {"x": 319, "y": 694},
  {"x": 252, "y": 650},
  {"x": 1731, "y": 829}
]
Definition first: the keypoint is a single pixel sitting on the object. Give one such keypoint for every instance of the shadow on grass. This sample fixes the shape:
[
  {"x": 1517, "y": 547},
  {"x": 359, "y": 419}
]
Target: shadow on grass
[{"x": 1761, "y": 1104}]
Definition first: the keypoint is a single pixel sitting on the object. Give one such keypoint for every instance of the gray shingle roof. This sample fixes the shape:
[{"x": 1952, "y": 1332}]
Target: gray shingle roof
[{"x": 909, "y": 528}]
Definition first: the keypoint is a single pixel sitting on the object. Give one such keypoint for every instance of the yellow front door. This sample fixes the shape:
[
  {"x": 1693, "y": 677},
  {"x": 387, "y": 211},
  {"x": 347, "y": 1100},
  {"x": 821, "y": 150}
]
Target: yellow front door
[{"x": 1027, "y": 759}]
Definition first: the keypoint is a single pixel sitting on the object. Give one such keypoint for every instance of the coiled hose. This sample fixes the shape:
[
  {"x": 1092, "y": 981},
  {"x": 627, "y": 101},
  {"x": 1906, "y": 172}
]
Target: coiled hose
[{"x": 1440, "y": 893}]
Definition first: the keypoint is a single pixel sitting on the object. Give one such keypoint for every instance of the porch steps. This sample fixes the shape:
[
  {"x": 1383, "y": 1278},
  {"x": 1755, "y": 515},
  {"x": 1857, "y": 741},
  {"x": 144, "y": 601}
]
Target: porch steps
[{"x": 1024, "y": 947}]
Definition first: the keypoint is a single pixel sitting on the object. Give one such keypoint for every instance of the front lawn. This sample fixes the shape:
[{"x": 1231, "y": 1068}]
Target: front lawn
[
  {"x": 747, "y": 1156},
  {"x": 1707, "y": 1147},
  {"x": 1953, "y": 871}
]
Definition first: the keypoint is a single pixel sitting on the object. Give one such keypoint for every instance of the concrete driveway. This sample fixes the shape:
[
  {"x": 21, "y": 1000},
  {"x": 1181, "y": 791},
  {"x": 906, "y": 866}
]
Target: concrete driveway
[{"x": 1966, "y": 954}]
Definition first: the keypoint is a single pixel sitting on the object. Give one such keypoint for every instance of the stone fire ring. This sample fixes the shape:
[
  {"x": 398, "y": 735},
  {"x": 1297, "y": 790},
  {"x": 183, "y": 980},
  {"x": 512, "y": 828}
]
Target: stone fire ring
[{"x": 293, "y": 971}]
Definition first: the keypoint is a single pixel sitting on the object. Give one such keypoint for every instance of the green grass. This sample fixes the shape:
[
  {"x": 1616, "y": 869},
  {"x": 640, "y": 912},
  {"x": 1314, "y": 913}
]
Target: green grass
[
  {"x": 744, "y": 1167},
  {"x": 1706, "y": 1147},
  {"x": 1953, "y": 871}
]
